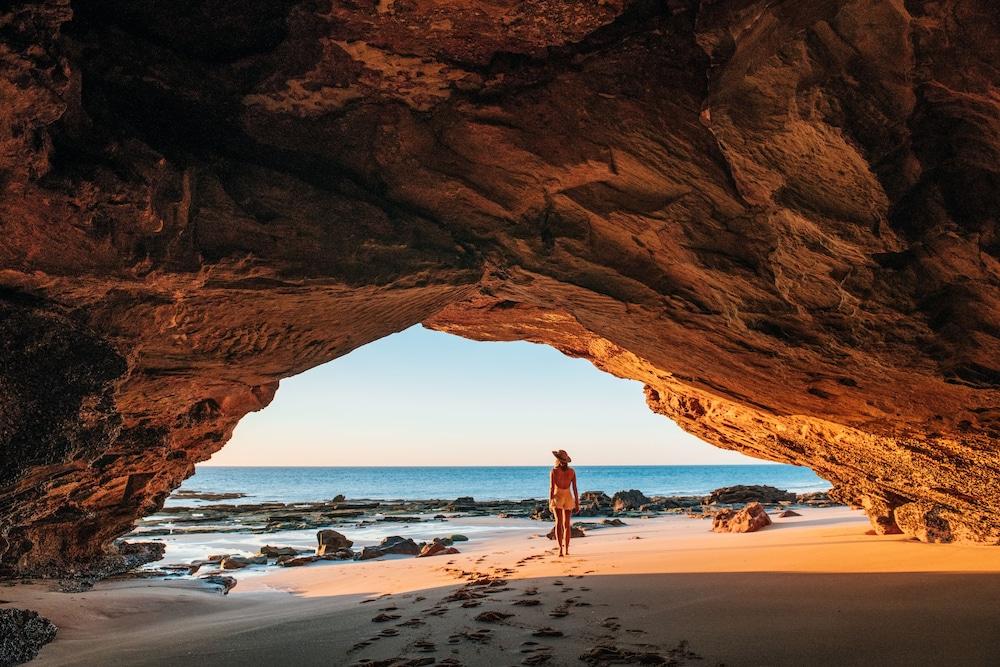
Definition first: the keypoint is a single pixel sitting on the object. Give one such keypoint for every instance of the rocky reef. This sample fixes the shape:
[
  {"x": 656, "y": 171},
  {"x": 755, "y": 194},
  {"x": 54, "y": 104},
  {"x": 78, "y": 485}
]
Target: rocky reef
[{"x": 781, "y": 216}]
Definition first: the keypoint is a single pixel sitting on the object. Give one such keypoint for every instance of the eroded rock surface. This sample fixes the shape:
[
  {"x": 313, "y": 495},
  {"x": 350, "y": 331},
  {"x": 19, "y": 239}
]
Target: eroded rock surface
[{"x": 778, "y": 215}]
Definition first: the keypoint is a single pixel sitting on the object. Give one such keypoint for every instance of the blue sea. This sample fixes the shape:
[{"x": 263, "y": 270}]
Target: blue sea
[{"x": 308, "y": 484}]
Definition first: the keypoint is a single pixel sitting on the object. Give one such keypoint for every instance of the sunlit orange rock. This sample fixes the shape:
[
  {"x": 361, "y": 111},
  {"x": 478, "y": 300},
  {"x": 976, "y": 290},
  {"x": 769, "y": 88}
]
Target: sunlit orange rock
[{"x": 779, "y": 216}]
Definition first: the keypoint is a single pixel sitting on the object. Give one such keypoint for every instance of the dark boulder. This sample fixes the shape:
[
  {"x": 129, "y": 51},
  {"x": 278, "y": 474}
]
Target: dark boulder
[
  {"x": 330, "y": 541},
  {"x": 741, "y": 494},
  {"x": 628, "y": 500}
]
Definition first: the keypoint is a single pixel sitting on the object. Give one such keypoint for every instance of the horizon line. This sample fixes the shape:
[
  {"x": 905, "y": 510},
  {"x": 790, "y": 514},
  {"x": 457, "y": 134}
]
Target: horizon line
[{"x": 506, "y": 465}]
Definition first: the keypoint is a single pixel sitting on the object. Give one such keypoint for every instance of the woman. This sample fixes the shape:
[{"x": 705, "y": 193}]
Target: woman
[{"x": 561, "y": 501}]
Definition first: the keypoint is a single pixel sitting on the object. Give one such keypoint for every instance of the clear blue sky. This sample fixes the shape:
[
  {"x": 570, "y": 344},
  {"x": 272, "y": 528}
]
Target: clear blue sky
[{"x": 421, "y": 397}]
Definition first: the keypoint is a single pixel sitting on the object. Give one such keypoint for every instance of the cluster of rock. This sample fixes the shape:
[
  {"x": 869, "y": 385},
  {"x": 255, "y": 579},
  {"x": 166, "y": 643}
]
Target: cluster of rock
[
  {"x": 332, "y": 545},
  {"x": 633, "y": 502},
  {"x": 270, "y": 517}
]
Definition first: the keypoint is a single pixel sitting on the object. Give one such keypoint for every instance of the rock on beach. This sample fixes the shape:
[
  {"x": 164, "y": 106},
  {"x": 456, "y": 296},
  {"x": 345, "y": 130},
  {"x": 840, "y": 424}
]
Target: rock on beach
[{"x": 747, "y": 520}]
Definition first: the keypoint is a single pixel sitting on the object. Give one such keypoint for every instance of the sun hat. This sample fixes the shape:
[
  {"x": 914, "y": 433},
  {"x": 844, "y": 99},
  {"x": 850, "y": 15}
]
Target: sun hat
[{"x": 561, "y": 455}]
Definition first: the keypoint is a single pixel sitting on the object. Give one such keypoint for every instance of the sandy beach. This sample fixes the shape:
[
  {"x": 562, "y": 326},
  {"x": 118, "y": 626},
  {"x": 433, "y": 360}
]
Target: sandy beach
[{"x": 809, "y": 590}]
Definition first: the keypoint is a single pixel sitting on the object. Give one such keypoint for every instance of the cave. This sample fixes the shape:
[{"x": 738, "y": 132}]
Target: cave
[{"x": 781, "y": 217}]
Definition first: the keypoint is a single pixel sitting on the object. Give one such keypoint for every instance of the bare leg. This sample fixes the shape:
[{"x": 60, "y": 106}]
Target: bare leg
[
  {"x": 559, "y": 528},
  {"x": 568, "y": 527}
]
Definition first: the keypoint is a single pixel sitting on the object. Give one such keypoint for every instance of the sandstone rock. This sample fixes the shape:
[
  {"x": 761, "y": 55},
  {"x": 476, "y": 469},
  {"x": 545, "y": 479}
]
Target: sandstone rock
[
  {"x": 330, "y": 541},
  {"x": 930, "y": 523},
  {"x": 628, "y": 500},
  {"x": 367, "y": 553},
  {"x": 233, "y": 563},
  {"x": 803, "y": 189},
  {"x": 788, "y": 513},
  {"x": 614, "y": 522},
  {"x": 225, "y": 583},
  {"x": 398, "y": 545},
  {"x": 22, "y": 634},
  {"x": 289, "y": 561},
  {"x": 742, "y": 494},
  {"x": 339, "y": 554},
  {"x": 273, "y": 552},
  {"x": 747, "y": 520},
  {"x": 436, "y": 548}
]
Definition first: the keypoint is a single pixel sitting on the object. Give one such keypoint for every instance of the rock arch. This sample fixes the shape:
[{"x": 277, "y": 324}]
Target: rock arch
[{"x": 780, "y": 216}]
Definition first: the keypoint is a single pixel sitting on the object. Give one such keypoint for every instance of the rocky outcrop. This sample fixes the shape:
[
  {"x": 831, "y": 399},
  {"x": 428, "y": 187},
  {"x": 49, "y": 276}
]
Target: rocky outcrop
[
  {"x": 778, "y": 215},
  {"x": 632, "y": 499},
  {"x": 747, "y": 520},
  {"x": 742, "y": 494}
]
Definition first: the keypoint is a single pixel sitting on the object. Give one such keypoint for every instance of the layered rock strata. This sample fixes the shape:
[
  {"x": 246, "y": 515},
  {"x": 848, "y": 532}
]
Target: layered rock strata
[{"x": 778, "y": 215}]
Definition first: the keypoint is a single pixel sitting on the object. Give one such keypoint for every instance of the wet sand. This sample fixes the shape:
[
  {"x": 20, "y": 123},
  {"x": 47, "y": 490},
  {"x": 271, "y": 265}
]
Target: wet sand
[{"x": 810, "y": 590}]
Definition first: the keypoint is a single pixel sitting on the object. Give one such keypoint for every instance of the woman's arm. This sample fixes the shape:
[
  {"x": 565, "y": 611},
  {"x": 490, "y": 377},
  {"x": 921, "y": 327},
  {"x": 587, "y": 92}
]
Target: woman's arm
[
  {"x": 576, "y": 494},
  {"x": 552, "y": 484}
]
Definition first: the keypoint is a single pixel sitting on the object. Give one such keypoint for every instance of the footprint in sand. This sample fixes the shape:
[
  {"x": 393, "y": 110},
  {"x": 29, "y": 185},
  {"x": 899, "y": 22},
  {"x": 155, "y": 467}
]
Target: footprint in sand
[
  {"x": 492, "y": 617},
  {"x": 480, "y": 636},
  {"x": 611, "y": 623},
  {"x": 424, "y": 646},
  {"x": 527, "y": 603},
  {"x": 383, "y": 618},
  {"x": 547, "y": 632},
  {"x": 412, "y": 623}
]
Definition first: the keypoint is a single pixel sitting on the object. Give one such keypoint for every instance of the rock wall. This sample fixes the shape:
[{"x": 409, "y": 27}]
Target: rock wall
[{"x": 780, "y": 216}]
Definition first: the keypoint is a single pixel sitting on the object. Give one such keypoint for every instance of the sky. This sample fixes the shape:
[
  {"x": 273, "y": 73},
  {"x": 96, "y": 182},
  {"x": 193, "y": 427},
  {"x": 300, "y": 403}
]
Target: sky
[{"x": 421, "y": 397}]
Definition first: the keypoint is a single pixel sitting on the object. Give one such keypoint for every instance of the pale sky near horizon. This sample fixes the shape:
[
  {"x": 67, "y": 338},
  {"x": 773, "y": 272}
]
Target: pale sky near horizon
[{"x": 422, "y": 397}]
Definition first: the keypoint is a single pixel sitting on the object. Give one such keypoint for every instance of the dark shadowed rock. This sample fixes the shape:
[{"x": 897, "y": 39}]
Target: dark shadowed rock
[
  {"x": 289, "y": 561},
  {"x": 598, "y": 498},
  {"x": 747, "y": 520},
  {"x": 22, "y": 634},
  {"x": 628, "y": 500},
  {"x": 224, "y": 583},
  {"x": 399, "y": 545},
  {"x": 273, "y": 552},
  {"x": 331, "y": 541},
  {"x": 575, "y": 531},
  {"x": 742, "y": 494}
]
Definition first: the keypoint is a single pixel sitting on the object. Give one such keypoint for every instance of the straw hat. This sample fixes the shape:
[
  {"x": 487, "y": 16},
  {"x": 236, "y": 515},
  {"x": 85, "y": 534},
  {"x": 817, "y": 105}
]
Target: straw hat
[{"x": 561, "y": 455}]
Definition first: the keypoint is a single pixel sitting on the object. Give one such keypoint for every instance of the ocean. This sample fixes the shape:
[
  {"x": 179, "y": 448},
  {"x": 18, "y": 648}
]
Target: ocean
[{"x": 312, "y": 484}]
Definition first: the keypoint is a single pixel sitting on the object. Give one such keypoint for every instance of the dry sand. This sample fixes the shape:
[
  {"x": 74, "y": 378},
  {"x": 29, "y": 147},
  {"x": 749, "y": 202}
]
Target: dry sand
[{"x": 812, "y": 590}]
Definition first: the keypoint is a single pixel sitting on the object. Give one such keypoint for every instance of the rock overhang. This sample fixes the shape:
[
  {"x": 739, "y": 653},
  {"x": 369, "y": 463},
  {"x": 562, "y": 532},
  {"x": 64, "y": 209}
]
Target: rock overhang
[{"x": 779, "y": 216}]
